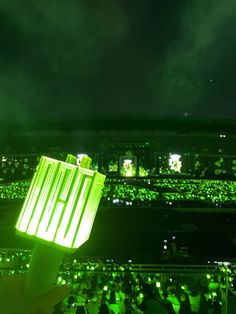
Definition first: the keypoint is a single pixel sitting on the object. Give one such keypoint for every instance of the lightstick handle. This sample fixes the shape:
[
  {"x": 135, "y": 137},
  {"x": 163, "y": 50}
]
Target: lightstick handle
[
  {"x": 45, "y": 261},
  {"x": 44, "y": 266}
]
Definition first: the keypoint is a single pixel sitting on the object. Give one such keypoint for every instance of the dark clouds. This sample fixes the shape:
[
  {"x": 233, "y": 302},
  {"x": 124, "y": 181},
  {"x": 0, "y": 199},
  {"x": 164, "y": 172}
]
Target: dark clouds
[
  {"x": 67, "y": 58},
  {"x": 199, "y": 72}
]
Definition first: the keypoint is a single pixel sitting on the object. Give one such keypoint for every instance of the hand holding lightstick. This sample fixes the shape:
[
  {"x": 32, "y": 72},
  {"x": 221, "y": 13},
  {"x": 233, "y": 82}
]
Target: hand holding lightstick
[{"x": 58, "y": 212}]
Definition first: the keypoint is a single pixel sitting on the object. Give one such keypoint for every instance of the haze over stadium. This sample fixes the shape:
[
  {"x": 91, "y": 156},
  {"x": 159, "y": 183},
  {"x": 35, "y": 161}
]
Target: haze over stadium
[{"x": 66, "y": 59}]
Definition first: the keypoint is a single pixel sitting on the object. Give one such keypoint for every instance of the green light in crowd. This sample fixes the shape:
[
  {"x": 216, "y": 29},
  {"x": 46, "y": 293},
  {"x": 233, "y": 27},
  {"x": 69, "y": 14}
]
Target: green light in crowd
[
  {"x": 158, "y": 284},
  {"x": 105, "y": 288},
  {"x": 208, "y": 276},
  {"x": 63, "y": 282},
  {"x": 75, "y": 276}
]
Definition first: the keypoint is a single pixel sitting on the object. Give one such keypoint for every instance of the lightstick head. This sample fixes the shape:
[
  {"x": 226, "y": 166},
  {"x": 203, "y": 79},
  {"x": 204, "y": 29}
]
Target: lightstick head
[{"x": 61, "y": 204}]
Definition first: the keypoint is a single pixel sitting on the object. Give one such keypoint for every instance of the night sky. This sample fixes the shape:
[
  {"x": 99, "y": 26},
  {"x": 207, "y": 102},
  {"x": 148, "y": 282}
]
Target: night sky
[{"x": 67, "y": 58}]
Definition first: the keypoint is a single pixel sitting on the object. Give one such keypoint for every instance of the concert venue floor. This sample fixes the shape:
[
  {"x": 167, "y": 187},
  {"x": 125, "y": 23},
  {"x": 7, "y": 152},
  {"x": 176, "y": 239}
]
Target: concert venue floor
[{"x": 139, "y": 234}]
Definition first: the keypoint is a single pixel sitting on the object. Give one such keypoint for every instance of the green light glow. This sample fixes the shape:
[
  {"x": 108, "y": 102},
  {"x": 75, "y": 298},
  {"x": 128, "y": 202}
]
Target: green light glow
[
  {"x": 59, "y": 279},
  {"x": 128, "y": 165},
  {"x": 215, "y": 192},
  {"x": 175, "y": 163},
  {"x": 61, "y": 204}
]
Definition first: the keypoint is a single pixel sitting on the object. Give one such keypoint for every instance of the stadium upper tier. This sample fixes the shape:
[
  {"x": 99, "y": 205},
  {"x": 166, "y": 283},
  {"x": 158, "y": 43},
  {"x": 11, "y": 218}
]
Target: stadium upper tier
[{"x": 108, "y": 135}]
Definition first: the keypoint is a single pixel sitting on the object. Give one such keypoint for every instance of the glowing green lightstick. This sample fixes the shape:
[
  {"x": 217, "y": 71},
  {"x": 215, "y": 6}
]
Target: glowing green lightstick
[{"x": 58, "y": 213}]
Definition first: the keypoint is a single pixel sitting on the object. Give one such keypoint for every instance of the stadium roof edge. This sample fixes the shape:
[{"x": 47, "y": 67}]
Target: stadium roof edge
[{"x": 124, "y": 123}]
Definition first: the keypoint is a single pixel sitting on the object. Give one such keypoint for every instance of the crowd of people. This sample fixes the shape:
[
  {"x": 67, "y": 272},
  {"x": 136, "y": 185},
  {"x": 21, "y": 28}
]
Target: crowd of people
[
  {"x": 21, "y": 167},
  {"x": 17, "y": 171},
  {"x": 119, "y": 288},
  {"x": 116, "y": 192},
  {"x": 99, "y": 287},
  {"x": 169, "y": 189}
]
